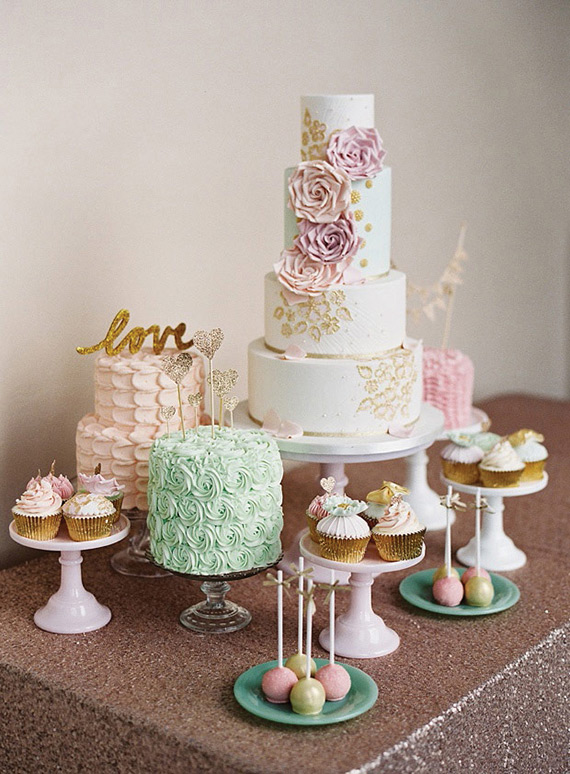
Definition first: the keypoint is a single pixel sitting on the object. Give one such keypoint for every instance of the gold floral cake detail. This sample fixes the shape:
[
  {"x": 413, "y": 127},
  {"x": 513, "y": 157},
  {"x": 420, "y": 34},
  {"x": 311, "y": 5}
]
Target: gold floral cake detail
[
  {"x": 388, "y": 382},
  {"x": 314, "y": 138},
  {"x": 318, "y": 316}
]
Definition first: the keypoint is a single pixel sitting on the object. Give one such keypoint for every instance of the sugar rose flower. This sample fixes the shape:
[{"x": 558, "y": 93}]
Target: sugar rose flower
[
  {"x": 329, "y": 242},
  {"x": 318, "y": 192},
  {"x": 358, "y": 152},
  {"x": 301, "y": 276}
]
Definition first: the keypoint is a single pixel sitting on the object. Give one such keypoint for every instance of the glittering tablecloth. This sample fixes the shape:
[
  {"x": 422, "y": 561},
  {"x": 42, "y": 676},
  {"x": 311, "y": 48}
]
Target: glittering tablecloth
[{"x": 145, "y": 695}]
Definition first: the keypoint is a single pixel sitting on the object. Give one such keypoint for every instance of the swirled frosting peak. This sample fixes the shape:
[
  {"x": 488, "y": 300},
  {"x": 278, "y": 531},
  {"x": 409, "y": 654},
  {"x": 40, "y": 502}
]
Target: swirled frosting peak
[
  {"x": 39, "y": 499},
  {"x": 398, "y": 518},
  {"x": 343, "y": 525},
  {"x": 97, "y": 484},
  {"x": 502, "y": 457}
]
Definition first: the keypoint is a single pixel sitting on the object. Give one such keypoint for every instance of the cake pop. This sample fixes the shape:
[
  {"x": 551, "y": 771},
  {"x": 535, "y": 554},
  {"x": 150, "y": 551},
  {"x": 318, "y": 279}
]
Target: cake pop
[
  {"x": 308, "y": 696},
  {"x": 479, "y": 590},
  {"x": 441, "y": 572},
  {"x": 333, "y": 677},
  {"x": 298, "y": 662},
  {"x": 448, "y": 590},
  {"x": 276, "y": 683}
]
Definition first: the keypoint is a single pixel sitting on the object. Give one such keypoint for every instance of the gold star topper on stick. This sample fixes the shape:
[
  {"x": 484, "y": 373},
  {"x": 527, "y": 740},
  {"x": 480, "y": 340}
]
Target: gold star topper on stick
[
  {"x": 176, "y": 367},
  {"x": 194, "y": 400},
  {"x": 328, "y": 484},
  {"x": 166, "y": 413},
  {"x": 208, "y": 344},
  {"x": 222, "y": 382}
]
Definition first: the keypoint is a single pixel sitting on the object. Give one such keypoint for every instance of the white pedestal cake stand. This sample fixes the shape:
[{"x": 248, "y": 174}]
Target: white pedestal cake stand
[
  {"x": 72, "y": 609},
  {"x": 424, "y": 500},
  {"x": 498, "y": 552},
  {"x": 332, "y": 453},
  {"x": 359, "y": 633}
]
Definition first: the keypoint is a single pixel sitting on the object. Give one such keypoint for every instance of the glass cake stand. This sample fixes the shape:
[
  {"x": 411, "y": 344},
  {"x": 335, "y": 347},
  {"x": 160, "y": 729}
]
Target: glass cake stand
[
  {"x": 216, "y": 614},
  {"x": 133, "y": 560}
]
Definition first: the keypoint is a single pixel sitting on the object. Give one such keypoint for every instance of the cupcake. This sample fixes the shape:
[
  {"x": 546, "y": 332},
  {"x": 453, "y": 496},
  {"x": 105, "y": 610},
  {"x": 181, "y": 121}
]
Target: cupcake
[
  {"x": 460, "y": 460},
  {"x": 60, "y": 484},
  {"x": 37, "y": 512},
  {"x": 343, "y": 535},
  {"x": 484, "y": 440},
  {"x": 315, "y": 512},
  {"x": 379, "y": 499},
  {"x": 398, "y": 534},
  {"x": 526, "y": 444},
  {"x": 88, "y": 516},
  {"x": 501, "y": 466},
  {"x": 108, "y": 487}
]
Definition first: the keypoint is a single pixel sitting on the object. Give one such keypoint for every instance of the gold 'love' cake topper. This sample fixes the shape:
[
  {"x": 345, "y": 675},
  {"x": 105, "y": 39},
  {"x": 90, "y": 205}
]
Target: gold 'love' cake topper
[{"x": 135, "y": 338}]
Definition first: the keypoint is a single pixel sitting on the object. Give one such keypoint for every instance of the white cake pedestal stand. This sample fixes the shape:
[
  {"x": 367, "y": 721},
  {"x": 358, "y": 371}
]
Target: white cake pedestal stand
[
  {"x": 424, "y": 500},
  {"x": 359, "y": 633},
  {"x": 332, "y": 453},
  {"x": 498, "y": 552},
  {"x": 72, "y": 609}
]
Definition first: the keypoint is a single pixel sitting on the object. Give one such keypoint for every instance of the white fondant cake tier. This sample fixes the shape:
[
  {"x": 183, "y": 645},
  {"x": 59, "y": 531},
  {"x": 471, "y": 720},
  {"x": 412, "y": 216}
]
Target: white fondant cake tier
[
  {"x": 129, "y": 392},
  {"x": 344, "y": 396},
  {"x": 323, "y": 114},
  {"x": 215, "y": 502},
  {"x": 371, "y": 206},
  {"x": 358, "y": 320}
]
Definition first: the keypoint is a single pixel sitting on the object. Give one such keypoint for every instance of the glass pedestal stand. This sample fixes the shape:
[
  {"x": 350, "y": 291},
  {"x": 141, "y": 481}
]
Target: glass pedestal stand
[
  {"x": 359, "y": 633},
  {"x": 498, "y": 552},
  {"x": 424, "y": 500},
  {"x": 216, "y": 614},
  {"x": 72, "y": 609},
  {"x": 332, "y": 453},
  {"x": 133, "y": 560}
]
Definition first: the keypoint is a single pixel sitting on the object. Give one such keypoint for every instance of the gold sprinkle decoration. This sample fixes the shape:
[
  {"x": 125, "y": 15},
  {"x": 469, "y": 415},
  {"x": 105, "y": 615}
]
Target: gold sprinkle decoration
[
  {"x": 177, "y": 366},
  {"x": 208, "y": 343},
  {"x": 355, "y": 196},
  {"x": 369, "y": 183},
  {"x": 358, "y": 214},
  {"x": 368, "y": 227},
  {"x": 364, "y": 262},
  {"x": 363, "y": 244}
]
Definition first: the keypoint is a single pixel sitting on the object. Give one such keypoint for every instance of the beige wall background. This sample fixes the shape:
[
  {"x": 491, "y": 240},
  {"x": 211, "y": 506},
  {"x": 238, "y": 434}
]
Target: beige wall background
[{"x": 142, "y": 154}]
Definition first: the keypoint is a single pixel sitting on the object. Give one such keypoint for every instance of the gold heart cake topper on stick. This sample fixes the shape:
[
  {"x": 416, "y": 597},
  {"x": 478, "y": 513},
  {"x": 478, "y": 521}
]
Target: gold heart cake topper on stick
[
  {"x": 222, "y": 382},
  {"x": 166, "y": 413},
  {"x": 176, "y": 367},
  {"x": 195, "y": 400},
  {"x": 328, "y": 484},
  {"x": 208, "y": 344},
  {"x": 231, "y": 405}
]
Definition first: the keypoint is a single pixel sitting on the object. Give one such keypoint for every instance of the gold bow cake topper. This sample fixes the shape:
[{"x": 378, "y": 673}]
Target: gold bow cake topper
[
  {"x": 383, "y": 495},
  {"x": 524, "y": 435},
  {"x": 135, "y": 338}
]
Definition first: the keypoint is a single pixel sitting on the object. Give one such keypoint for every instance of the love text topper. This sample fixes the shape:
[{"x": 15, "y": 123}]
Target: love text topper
[{"x": 135, "y": 338}]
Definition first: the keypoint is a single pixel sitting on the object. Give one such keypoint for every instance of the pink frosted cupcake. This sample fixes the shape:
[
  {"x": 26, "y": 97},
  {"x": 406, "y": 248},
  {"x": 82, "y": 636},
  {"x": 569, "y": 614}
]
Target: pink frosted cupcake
[
  {"x": 315, "y": 512},
  {"x": 60, "y": 484},
  {"x": 37, "y": 513},
  {"x": 108, "y": 487},
  {"x": 460, "y": 461}
]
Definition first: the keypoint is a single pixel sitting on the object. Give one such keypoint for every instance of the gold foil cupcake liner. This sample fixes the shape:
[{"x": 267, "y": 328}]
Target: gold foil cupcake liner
[
  {"x": 350, "y": 550},
  {"x": 500, "y": 478},
  {"x": 117, "y": 502},
  {"x": 396, "y": 548},
  {"x": 89, "y": 527},
  {"x": 37, "y": 527},
  {"x": 462, "y": 472},
  {"x": 533, "y": 471},
  {"x": 312, "y": 521}
]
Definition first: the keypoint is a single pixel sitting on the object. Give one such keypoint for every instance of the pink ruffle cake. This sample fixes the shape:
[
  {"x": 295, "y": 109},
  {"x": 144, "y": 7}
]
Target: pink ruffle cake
[{"x": 448, "y": 377}]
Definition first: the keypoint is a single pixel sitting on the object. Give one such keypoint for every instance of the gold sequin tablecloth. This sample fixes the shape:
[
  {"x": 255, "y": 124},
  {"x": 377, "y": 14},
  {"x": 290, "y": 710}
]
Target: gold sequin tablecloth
[{"x": 143, "y": 694}]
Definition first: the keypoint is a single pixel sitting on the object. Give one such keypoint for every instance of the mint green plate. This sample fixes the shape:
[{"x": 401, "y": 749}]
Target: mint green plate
[
  {"x": 361, "y": 697},
  {"x": 416, "y": 589}
]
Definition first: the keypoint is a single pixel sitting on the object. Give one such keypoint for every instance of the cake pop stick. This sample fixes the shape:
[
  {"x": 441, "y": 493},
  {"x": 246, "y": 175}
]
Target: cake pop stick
[
  {"x": 308, "y": 695},
  {"x": 297, "y": 661},
  {"x": 447, "y": 589},
  {"x": 310, "y": 605},
  {"x": 276, "y": 683},
  {"x": 478, "y": 532},
  {"x": 448, "y": 532},
  {"x": 331, "y": 620},
  {"x": 333, "y": 677},
  {"x": 479, "y": 589},
  {"x": 300, "y": 606},
  {"x": 280, "y": 618}
]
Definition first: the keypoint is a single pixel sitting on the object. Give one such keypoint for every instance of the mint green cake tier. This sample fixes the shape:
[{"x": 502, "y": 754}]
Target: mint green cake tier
[{"x": 215, "y": 503}]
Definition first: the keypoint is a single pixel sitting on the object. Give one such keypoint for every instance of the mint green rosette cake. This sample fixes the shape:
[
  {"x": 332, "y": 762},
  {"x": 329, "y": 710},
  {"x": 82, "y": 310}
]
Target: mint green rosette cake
[{"x": 215, "y": 503}]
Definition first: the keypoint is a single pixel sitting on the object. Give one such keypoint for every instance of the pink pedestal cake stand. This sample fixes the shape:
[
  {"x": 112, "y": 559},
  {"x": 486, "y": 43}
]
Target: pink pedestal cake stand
[
  {"x": 332, "y": 453},
  {"x": 424, "y": 500},
  {"x": 359, "y": 633},
  {"x": 72, "y": 609},
  {"x": 498, "y": 552}
]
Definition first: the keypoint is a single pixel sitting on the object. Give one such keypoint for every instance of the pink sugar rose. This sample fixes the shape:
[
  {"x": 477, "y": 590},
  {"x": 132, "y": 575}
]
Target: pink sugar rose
[
  {"x": 358, "y": 152},
  {"x": 301, "y": 276},
  {"x": 318, "y": 192},
  {"x": 329, "y": 242}
]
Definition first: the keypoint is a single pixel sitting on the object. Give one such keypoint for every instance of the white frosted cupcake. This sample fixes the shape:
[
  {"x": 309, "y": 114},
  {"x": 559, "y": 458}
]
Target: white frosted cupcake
[
  {"x": 343, "y": 535},
  {"x": 526, "y": 444},
  {"x": 88, "y": 516},
  {"x": 379, "y": 499},
  {"x": 37, "y": 512},
  {"x": 108, "y": 487},
  {"x": 460, "y": 461},
  {"x": 399, "y": 533},
  {"x": 501, "y": 466}
]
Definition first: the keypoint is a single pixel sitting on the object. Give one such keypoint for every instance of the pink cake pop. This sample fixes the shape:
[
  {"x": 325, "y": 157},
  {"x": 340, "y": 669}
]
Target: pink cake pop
[
  {"x": 479, "y": 591},
  {"x": 333, "y": 677},
  {"x": 276, "y": 683},
  {"x": 307, "y": 696},
  {"x": 448, "y": 591}
]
